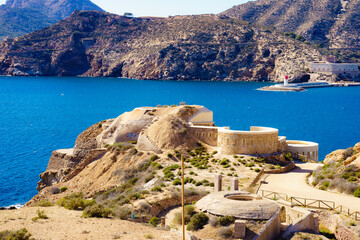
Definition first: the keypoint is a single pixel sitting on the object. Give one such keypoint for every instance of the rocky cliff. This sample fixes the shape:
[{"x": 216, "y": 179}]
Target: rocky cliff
[
  {"x": 19, "y": 17},
  {"x": 331, "y": 22},
  {"x": 205, "y": 47}
]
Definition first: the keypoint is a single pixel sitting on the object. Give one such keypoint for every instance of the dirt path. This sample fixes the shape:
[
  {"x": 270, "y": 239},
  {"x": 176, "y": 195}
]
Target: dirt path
[
  {"x": 294, "y": 184},
  {"x": 65, "y": 224}
]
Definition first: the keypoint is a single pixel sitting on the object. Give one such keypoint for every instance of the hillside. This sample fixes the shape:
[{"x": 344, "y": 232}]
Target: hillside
[
  {"x": 205, "y": 47},
  {"x": 331, "y": 22},
  {"x": 19, "y": 17}
]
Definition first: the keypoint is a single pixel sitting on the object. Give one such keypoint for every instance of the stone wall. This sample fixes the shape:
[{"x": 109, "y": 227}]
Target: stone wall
[
  {"x": 335, "y": 224},
  {"x": 271, "y": 231},
  {"x": 248, "y": 142},
  {"x": 335, "y": 67},
  {"x": 207, "y": 135},
  {"x": 309, "y": 222},
  {"x": 285, "y": 169}
]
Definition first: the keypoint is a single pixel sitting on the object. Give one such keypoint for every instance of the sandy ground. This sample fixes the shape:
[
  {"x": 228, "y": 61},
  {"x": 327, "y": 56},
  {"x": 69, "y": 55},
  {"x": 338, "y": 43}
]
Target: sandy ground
[
  {"x": 294, "y": 184},
  {"x": 65, "y": 224}
]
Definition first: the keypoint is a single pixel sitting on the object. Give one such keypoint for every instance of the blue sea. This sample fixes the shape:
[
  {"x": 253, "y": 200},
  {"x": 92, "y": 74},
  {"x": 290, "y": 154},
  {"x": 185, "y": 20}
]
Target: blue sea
[{"x": 42, "y": 114}]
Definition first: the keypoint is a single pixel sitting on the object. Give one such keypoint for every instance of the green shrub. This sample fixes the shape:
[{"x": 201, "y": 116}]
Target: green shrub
[
  {"x": 326, "y": 184},
  {"x": 154, "y": 221},
  {"x": 156, "y": 189},
  {"x": 224, "y": 161},
  {"x": 75, "y": 201},
  {"x": 352, "y": 179},
  {"x": 21, "y": 234},
  {"x": 189, "y": 210},
  {"x": 44, "y": 203},
  {"x": 226, "y": 220},
  {"x": 133, "y": 180},
  {"x": 96, "y": 211},
  {"x": 197, "y": 221},
  {"x": 154, "y": 157},
  {"x": 176, "y": 182},
  {"x": 250, "y": 164},
  {"x": 63, "y": 189},
  {"x": 357, "y": 192},
  {"x": 189, "y": 180},
  {"x": 170, "y": 155},
  {"x": 40, "y": 215},
  {"x": 257, "y": 170}
]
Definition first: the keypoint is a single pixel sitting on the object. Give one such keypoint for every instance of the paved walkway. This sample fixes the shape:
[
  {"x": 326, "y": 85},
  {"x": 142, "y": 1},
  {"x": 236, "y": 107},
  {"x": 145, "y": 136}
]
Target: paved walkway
[{"x": 294, "y": 184}]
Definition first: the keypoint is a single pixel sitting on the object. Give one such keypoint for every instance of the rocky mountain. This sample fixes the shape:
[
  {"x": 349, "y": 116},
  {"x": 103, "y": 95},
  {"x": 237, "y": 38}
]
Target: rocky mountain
[
  {"x": 335, "y": 23},
  {"x": 18, "y": 17},
  {"x": 205, "y": 47},
  {"x": 54, "y": 9}
]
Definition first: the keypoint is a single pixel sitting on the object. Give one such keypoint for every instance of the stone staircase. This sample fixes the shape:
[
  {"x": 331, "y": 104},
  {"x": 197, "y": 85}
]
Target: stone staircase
[{"x": 144, "y": 142}]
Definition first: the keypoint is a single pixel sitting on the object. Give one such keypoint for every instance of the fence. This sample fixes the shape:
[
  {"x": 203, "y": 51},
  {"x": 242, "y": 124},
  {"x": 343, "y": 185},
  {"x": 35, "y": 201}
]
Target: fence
[{"x": 311, "y": 203}]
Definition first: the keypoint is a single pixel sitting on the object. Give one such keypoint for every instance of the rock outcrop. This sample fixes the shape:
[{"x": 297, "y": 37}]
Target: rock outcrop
[
  {"x": 112, "y": 146},
  {"x": 329, "y": 21},
  {"x": 19, "y": 17},
  {"x": 204, "y": 47}
]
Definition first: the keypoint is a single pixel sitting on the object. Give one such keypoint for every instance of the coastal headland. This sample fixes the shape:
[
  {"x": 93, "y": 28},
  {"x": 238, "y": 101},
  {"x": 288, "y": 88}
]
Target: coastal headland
[{"x": 129, "y": 168}]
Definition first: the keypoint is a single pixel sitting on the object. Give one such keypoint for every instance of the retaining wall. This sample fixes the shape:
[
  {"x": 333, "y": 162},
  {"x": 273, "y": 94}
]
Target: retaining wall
[{"x": 271, "y": 230}]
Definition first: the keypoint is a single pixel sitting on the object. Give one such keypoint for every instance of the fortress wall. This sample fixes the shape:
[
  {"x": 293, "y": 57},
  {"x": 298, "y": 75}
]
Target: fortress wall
[
  {"x": 305, "y": 149},
  {"x": 256, "y": 141},
  {"x": 335, "y": 67},
  {"x": 207, "y": 135}
]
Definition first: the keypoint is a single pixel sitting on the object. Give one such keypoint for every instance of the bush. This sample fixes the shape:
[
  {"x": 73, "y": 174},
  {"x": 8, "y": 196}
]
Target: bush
[
  {"x": 257, "y": 170},
  {"x": 357, "y": 192},
  {"x": 156, "y": 189},
  {"x": 96, "y": 211},
  {"x": 225, "y": 232},
  {"x": 75, "y": 201},
  {"x": 226, "y": 220},
  {"x": 44, "y": 203},
  {"x": 55, "y": 190},
  {"x": 21, "y": 234},
  {"x": 122, "y": 212},
  {"x": 189, "y": 210},
  {"x": 40, "y": 215},
  {"x": 154, "y": 157},
  {"x": 154, "y": 221},
  {"x": 176, "y": 182},
  {"x": 63, "y": 189},
  {"x": 197, "y": 221}
]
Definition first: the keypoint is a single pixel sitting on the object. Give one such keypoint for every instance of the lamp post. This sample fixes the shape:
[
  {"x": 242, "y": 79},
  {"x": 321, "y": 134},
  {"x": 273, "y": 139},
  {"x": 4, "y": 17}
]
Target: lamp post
[{"x": 183, "y": 196}]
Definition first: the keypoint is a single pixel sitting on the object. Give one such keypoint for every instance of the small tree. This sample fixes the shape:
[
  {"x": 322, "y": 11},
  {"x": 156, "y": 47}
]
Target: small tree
[{"x": 154, "y": 221}]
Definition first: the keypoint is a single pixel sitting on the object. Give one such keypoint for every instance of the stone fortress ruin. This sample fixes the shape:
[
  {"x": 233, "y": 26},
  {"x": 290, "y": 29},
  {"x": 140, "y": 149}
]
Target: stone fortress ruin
[{"x": 149, "y": 128}]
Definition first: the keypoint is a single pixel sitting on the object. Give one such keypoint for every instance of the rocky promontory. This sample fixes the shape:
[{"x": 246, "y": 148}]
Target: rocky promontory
[{"x": 203, "y": 47}]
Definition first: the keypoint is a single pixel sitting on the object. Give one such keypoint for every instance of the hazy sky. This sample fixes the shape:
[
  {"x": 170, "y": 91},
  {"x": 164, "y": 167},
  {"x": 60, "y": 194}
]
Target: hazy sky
[{"x": 165, "y": 8}]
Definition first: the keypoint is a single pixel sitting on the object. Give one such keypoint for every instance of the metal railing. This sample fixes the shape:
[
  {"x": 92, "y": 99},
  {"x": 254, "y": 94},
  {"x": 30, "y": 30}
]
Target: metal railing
[{"x": 311, "y": 203}]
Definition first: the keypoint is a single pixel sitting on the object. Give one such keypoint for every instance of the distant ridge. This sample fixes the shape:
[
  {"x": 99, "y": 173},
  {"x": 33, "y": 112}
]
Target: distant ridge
[
  {"x": 333, "y": 23},
  {"x": 19, "y": 17}
]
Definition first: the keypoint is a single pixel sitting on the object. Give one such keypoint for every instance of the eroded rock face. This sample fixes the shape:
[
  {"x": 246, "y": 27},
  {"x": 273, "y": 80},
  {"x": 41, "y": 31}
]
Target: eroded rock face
[
  {"x": 204, "y": 47},
  {"x": 86, "y": 141},
  {"x": 336, "y": 155},
  {"x": 62, "y": 158}
]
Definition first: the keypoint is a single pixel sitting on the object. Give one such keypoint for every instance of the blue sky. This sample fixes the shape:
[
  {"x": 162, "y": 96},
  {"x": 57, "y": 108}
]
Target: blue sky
[{"x": 165, "y": 8}]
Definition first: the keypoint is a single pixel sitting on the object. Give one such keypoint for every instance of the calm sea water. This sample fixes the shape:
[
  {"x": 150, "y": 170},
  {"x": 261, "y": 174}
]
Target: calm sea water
[{"x": 39, "y": 115}]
